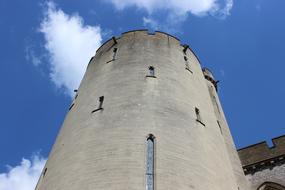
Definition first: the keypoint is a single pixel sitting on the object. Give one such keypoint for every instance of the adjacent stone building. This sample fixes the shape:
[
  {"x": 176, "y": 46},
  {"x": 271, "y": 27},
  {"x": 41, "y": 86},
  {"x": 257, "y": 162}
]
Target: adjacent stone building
[
  {"x": 264, "y": 166},
  {"x": 146, "y": 117}
]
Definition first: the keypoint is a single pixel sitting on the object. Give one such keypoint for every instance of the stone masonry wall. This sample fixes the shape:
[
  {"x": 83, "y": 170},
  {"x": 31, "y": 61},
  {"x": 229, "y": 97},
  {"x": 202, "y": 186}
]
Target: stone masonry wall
[{"x": 263, "y": 164}]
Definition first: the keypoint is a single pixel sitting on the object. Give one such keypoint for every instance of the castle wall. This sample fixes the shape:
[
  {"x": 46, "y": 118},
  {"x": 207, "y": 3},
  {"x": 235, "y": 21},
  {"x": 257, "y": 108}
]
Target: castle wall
[
  {"x": 271, "y": 174},
  {"x": 264, "y": 164},
  {"x": 106, "y": 148},
  {"x": 222, "y": 125}
]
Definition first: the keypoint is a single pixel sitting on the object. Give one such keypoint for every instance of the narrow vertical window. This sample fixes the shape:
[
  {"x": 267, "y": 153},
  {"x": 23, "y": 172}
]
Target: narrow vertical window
[
  {"x": 187, "y": 67},
  {"x": 41, "y": 179},
  {"x": 185, "y": 47},
  {"x": 100, "y": 107},
  {"x": 101, "y": 99},
  {"x": 113, "y": 56},
  {"x": 220, "y": 127},
  {"x": 198, "y": 116},
  {"x": 71, "y": 106},
  {"x": 115, "y": 53},
  {"x": 150, "y": 163},
  {"x": 45, "y": 171},
  {"x": 151, "y": 72}
]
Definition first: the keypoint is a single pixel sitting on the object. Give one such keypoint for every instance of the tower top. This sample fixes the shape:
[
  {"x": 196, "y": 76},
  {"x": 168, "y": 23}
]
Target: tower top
[{"x": 170, "y": 39}]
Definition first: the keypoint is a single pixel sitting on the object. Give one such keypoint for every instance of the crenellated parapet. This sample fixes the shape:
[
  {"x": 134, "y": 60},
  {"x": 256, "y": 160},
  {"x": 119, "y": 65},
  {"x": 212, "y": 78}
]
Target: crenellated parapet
[
  {"x": 139, "y": 34},
  {"x": 260, "y": 156},
  {"x": 131, "y": 35}
]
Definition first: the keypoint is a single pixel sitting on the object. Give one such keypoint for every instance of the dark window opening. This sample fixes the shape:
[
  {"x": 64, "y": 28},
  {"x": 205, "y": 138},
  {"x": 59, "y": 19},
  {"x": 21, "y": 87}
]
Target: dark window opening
[
  {"x": 114, "y": 40},
  {"x": 115, "y": 53},
  {"x": 220, "y": 127},
  {"x": 198, "y": 116},
  {"x": 185, "y": 47},
  {"x": 151, "y": 72},
  {"x": 71, "y": 106},
  {"x": 100, "y": 107},
  {"x": 101, "y": 99},
  {"x": 115, "y": 50},
  {"x": 45, "y": 171},
  {"x": 187, "y": 66}
]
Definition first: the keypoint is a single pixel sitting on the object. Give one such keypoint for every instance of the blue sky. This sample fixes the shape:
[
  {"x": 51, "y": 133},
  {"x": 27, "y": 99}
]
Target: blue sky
[{"x": 45, "y": 47}]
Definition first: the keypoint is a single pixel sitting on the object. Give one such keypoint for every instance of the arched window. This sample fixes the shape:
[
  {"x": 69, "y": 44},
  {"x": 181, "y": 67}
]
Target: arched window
[
  {"x": 270, "y": 186},
  {"x": 150, "y": 163}
]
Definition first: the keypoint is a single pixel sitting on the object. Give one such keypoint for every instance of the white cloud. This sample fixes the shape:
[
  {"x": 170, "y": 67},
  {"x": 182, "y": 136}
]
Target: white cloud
[
  {"x": 151, "y": 22},
  {"x": 177, "y": 9},
  {"x": 196, "y": 7},
  {"x": 70, "y": 45},
  {"x": 223, "y": 12},
  {"x": 24, "y": 176},
  {"x": 32, "y": 57},
  {"x": 228, "y": 7}
]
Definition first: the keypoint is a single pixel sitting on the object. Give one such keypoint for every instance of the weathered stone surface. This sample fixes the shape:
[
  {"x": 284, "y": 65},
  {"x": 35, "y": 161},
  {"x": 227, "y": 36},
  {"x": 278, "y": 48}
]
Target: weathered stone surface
[
  {"x": 274, "y": 174},
  {"x": 263, "y": 164},
  {"x": 106, "y": 149},
  {"x": 260, "y": 152}
]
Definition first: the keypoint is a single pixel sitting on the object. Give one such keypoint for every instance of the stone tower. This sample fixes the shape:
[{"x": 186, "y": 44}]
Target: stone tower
[{"x": 145, "y": 117}]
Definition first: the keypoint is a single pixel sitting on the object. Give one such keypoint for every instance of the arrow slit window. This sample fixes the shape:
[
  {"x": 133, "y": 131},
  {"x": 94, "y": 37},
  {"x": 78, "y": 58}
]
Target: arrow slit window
[
  {"x": 115, "y": 53},
  {"x": 150, "y": 163}
]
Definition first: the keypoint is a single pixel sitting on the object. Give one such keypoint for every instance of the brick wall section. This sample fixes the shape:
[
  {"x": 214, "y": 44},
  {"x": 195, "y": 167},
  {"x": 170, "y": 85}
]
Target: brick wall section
[{"x": 261, "y": 152}]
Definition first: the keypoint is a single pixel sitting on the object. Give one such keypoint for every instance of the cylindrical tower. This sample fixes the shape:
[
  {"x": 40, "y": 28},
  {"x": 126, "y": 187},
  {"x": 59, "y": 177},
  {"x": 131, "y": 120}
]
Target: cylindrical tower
[{"x": 142, "y": 119}]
